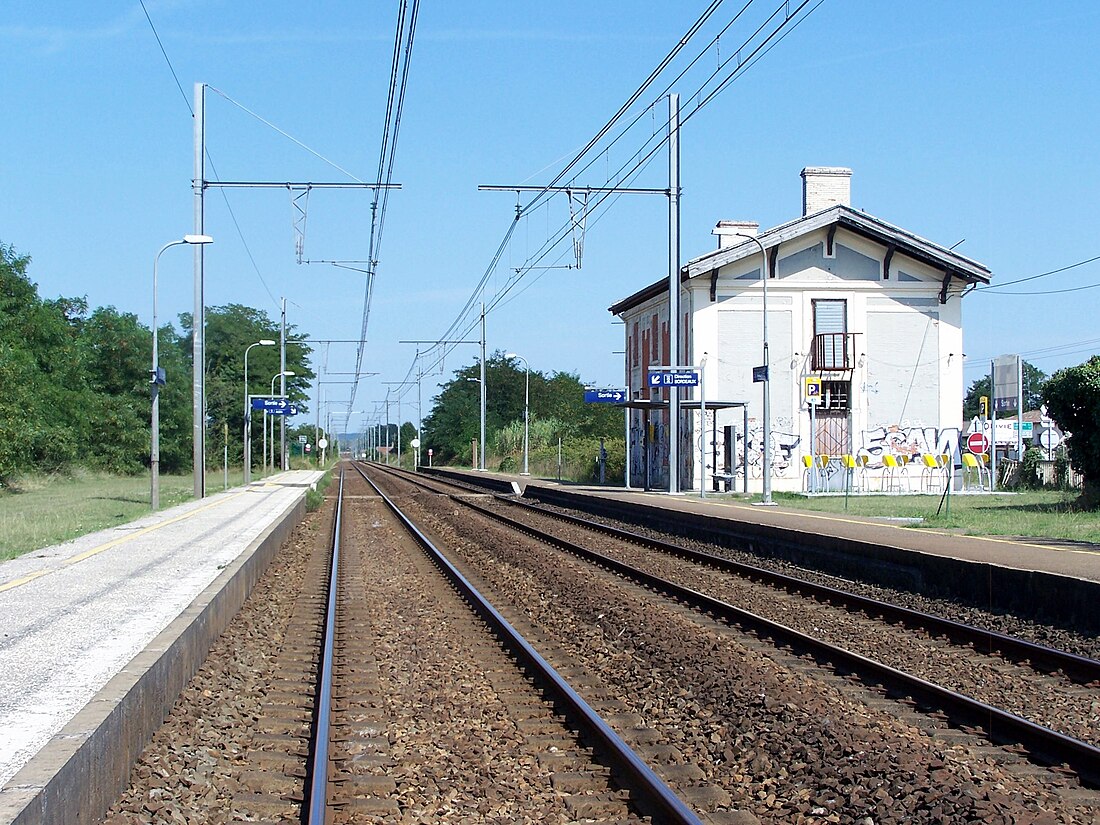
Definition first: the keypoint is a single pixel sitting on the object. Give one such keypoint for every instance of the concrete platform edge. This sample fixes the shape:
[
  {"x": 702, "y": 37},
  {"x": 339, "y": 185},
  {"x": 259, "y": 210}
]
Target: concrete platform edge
[
  {"x": 79, "y": 774},
  {"x": 1033, "y": 594}
]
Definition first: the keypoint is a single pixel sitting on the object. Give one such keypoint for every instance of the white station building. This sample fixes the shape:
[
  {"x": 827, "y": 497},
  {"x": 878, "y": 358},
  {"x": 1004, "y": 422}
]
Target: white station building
[{"x": 862, "y": 314}]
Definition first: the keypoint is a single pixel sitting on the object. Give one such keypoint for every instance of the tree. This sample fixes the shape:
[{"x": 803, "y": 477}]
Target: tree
[
  {"x": 455, "y": 417},
  {"x": 1034, "y": 379},
  {"x": 41, "y": 424},
  {"x": 230, "y": 330},
  {"x": 116, "y": 355},
  {"x": 1072, "y": 398}
]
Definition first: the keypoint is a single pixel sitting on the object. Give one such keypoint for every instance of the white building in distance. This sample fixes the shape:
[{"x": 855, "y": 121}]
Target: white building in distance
[{"x": 869, "y": 312}]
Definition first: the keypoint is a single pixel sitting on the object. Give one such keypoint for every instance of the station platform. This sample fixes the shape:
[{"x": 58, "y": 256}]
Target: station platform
[
  {"x": 82, "y": 624},
  {"x": 1047, "y": 579}
]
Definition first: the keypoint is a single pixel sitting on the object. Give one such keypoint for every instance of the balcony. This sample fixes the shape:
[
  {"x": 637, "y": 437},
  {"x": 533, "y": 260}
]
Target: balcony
[{"x": 833, "y": 352}]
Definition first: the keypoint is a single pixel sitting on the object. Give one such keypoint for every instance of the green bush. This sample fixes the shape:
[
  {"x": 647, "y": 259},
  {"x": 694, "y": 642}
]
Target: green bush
[{"x": 1030, "y": 476}]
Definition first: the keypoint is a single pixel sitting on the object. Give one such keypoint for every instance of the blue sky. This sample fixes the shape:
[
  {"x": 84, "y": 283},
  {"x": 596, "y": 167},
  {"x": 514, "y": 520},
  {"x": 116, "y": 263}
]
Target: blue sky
[{"x": 973, "y": 121}]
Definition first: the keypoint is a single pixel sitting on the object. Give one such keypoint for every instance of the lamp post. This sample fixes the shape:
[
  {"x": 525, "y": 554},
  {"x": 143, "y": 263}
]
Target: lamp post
[
  {"x": 264, "y": 342},
  {"x": 526, "y": 405},
  {"x": 156, "y": 380},
  {"x": 274, "y": 378},
  {"x": 767, "y": 377}
]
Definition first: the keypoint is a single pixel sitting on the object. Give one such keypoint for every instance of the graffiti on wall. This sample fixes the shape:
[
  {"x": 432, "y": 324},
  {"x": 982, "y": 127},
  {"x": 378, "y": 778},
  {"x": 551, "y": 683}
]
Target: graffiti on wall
[{"x": 909, "y": 440}]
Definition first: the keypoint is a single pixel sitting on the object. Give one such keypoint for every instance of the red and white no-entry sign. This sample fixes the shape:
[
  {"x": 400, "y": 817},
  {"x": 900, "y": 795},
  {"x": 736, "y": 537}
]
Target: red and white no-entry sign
[{"x": 977, "y": 443}]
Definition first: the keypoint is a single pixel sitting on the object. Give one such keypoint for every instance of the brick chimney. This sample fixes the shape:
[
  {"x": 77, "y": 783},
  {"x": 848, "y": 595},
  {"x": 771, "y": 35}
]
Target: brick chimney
[
  {"x": 727, "y": 232},
  {"x": 825, "y": 186}
]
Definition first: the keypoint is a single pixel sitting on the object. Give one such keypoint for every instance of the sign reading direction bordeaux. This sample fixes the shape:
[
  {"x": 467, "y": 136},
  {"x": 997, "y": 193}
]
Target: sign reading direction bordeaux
[{"x": 674, "y": 378}]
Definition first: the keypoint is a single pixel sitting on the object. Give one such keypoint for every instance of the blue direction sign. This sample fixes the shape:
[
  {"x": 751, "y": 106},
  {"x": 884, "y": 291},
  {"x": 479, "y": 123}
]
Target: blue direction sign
[
  {"x": 674, "y": 378},
  {"x": 275, "y": 406},
  {"x": 270, "y": 404},
  {"x": 604, "y": 396}
]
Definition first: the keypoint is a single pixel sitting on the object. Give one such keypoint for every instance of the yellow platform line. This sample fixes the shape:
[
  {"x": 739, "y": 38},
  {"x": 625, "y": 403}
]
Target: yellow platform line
[{"x": 87, "y": 554}]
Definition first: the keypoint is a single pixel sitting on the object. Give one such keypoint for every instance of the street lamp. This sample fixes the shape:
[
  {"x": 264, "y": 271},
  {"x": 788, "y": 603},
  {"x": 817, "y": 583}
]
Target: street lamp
[
  {"x": 526, "y": 405},
  {"x": 156, "y": 377},
  {"x": 274, "y": 378},
  {"x": 264, "y": 342},
  {"x": 767, "y": 377}
]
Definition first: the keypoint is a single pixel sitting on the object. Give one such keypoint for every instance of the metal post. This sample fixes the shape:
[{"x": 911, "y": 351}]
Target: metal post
[
  {"x": 673, "y": 288},
  {"x": 767, "y": 376},
  {"x": 702, "y": 429},
  {"x": 1020, "y": 417},
  {"x": 745, "y": 449},
  {"x": 481, "y": 455},
  {"x": 282, "y": 388},
  {"x": 626, "y": 432},
  {"x": 198, "y": 317},
  {"x": 526, "y": 415},
  {"x": 993, "y": 428},
  {"x": 154, "y": 438}
]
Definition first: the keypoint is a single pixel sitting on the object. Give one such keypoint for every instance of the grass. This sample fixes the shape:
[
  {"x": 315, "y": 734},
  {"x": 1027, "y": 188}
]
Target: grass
[
  {"x": 1031, "y": 513},
  {"x": 39, "y": 511}
]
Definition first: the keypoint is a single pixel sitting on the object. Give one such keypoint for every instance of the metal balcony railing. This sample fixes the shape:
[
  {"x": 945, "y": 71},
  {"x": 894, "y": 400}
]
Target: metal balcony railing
[{"x": 833, "y": 352}]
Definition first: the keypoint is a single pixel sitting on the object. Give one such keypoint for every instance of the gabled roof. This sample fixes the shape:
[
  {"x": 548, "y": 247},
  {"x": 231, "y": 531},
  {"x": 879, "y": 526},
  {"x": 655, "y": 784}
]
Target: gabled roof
[{"x": 938, "y": 257}]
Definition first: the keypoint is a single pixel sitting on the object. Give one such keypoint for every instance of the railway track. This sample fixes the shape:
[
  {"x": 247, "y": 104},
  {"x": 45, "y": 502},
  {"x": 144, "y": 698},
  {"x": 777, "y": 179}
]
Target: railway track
[
  {"x": 1056, "y": 687},
  {"x": 433, "y": 721}
]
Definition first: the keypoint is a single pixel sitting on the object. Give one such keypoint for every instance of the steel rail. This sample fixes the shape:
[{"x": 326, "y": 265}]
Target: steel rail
[
  {"x": 317, "y": 799},
  {"x": 1079, "y": 668},
  {"x": 1001, "y": 727},
  {"x": 651, "y": 787}
]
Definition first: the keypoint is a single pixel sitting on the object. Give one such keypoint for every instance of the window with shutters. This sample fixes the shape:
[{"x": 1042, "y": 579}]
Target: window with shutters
[{"x": 833, "y": 347}]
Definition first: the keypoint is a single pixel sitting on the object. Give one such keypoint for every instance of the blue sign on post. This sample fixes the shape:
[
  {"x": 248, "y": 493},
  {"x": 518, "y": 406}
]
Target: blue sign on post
[
  {"x": 275, "y": 406},
  {"x": 759, "y": 374},
  {"x": 674, "y": 378},
  {"x": 604, "y": 396}
]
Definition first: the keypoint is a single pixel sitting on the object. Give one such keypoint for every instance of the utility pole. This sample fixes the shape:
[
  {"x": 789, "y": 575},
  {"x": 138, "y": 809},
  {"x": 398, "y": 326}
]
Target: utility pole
[
  {"x": 673, "y": 289},
  {"x": 199, "y": 185},
  {"x": 198, "y": 316},
  {"x": 481, "y": 456},
  {"x": 282, "y": 387},
  {"x": 673, "y": 195}
]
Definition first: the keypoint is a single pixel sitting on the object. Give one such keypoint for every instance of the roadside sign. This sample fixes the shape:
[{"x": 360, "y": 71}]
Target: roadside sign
[
  {"x": 430, "y": 451},
  {"x": 608, "y": 396},
  {"x": 1050, "y": 438},
  {"x": 306, "y": 447},
  {"x": 270, "y": 404},
  {"x": 977, "y": 443},
  {"x": 1006, "y": 382},
  {"x": 322, "y": 443},
  {"x": 302, "y": 439},
  {"x": 673, "y": 378},
  {"x": 415, "y": 443},
  {"x": 813, "y": 390},
  {"x": 289, "y": 409},
  {"x": 759, "y": 374}
]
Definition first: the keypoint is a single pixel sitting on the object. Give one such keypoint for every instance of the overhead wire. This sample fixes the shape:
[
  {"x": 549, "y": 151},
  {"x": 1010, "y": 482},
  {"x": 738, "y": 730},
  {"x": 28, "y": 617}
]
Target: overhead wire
[
  {"x": 635, "y": 164},
  {"x": 404, "y": 38},
  {"x": 167, "y": 60},
  {"x": 209, "y": 159},
  {"x": 1036, "y": 277}
]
